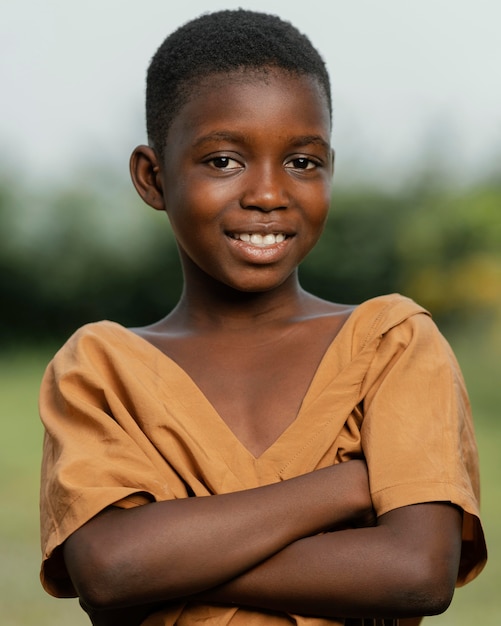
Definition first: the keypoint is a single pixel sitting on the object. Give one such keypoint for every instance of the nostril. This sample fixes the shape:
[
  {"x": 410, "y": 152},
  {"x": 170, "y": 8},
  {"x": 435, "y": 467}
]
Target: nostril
[
  {"x": 264, "y": 202},
  {"x": 265, "y": 193}
]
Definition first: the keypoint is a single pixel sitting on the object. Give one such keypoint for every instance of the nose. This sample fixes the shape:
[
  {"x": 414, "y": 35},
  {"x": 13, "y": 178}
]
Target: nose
[{"x": 265, "y": 189}]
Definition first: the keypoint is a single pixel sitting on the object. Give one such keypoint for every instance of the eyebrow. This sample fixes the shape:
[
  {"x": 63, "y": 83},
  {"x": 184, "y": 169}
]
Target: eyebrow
[
  {"x": 220, "y": 135},
  {"x": 299, "y": 141},
  {"x": 306, "y": 140}
]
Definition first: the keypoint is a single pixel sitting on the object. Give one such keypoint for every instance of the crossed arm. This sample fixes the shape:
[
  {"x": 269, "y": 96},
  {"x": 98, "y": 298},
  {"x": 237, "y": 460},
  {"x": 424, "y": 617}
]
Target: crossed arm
[{"x": 301, "y": 546}]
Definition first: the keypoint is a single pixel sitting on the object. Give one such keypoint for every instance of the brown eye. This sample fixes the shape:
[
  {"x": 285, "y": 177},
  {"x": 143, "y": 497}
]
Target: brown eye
[
  {"x": 224, "y": 163},
  {"x": 301, "y": 163}
]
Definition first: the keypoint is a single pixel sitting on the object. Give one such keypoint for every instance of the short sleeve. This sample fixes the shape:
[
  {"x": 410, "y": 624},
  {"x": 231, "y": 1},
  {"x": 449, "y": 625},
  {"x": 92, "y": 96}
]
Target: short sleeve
[
  {"x": 94, "y": 453},
  {"x": 417, "y": 432}
]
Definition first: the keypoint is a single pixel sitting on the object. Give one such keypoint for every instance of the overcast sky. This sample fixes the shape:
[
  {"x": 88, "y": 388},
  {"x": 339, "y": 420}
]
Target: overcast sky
[{"x": 407, "y": 75}]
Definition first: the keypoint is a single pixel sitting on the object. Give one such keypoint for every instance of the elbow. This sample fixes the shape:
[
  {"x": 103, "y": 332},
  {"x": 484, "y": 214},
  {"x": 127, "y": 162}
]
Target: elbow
[
  {"x": 427, "y": 599},
  {"x": 94, "y": 574},
  {"x": 428, "y": 590},
  {"x": 96, "y": 594}
]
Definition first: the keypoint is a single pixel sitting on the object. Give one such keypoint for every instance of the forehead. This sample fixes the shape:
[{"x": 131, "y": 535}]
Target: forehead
[{"x": 263, "y": 100}]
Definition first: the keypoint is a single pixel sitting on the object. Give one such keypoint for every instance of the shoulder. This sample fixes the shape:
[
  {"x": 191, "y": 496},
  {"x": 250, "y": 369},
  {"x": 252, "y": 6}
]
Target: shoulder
[
  {"x": 390, "y": 308},
  {"x": 394, "y": 329},
  {"x": 91, "y": 343},
  {"x": 377, "y": 316},
  {"x": 100, "y": 332}
]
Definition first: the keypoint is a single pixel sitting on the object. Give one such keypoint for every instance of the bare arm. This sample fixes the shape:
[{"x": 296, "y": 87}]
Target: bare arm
[
  {"x": 406, "y": 566},
  {"x": 126, "y": 616},
  {"x": 168, "y": 550}
]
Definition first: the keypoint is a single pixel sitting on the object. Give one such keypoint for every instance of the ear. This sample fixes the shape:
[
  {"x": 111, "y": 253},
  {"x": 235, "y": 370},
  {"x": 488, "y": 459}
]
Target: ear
[
  {"x": 333, "y": 158},
  {"x": 145, "y": 174}
]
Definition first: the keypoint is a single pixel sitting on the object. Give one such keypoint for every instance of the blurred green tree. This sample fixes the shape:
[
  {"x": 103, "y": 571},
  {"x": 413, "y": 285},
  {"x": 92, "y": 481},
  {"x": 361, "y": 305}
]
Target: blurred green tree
[
  {"x": 450, "y": 251},
  {"x": 89, "y": 250}
]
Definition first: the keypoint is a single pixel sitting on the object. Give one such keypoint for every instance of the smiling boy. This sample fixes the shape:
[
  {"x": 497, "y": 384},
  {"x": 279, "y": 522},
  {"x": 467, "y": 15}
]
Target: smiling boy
[{"x": 259, "y": 455}]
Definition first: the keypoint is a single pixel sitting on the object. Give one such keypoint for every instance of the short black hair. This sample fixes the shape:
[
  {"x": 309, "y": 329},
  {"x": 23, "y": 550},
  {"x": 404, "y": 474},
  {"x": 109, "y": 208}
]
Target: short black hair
[{"x": 219, "y": 42}]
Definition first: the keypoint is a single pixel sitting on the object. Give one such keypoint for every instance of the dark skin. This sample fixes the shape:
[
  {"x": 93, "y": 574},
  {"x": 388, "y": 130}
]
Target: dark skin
[{"x": 252, "y": 158}]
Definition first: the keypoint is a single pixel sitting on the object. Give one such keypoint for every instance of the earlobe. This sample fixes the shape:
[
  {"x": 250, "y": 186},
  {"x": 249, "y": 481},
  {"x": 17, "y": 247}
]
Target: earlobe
[{"x": 145, "y": 174}]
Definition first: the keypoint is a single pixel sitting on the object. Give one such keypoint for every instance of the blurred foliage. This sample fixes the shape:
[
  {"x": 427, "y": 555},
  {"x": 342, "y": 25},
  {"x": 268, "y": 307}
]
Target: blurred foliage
[
  {"x": 80, "y": 253},
  {"x": 90, "y": 250},
  {"x": 438, "y": 244}
]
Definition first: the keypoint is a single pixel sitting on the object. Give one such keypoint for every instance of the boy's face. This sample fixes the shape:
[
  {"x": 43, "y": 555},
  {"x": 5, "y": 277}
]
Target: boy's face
[{"x": 246, "y": 176}]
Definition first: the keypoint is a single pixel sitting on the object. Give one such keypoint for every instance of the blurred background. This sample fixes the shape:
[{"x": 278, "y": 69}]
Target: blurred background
[{"x": 416, "y": 209}]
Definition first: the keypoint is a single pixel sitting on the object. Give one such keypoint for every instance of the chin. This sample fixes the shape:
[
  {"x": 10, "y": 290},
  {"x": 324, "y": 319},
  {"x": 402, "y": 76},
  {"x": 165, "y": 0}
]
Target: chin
[{"x": 257, "y": 287}]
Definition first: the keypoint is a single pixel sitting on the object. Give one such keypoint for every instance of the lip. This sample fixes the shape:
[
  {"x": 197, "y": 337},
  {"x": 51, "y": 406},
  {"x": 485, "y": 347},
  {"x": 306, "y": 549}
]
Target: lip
[
  {"x": 271, "y": 228},
  {"x": 261, "y": 255},
  {"x": 259, "y": 239}
]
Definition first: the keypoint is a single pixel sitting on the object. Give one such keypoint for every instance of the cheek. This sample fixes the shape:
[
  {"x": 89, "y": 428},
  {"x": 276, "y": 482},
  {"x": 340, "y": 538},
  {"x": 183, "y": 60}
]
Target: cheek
[
  {"x": 202, "y": 197},
  {"x": 317, "y": 217},
  {"x": 320, "y": 204}
]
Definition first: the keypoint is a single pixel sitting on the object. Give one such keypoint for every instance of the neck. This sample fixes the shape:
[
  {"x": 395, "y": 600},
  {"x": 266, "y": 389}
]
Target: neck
[{"x": 210, "y": 305}]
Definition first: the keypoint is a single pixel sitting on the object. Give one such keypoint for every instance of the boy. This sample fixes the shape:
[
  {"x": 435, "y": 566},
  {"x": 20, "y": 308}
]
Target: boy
[{"x": 222, "y": 465}]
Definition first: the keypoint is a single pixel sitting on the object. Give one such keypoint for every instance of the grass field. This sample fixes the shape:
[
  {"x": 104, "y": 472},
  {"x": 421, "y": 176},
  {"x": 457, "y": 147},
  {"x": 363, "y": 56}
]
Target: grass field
[{"x": 22, "y": 601}]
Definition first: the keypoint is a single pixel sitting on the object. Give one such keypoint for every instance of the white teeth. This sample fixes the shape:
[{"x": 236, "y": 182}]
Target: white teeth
[{"x": 260, "y": 240}]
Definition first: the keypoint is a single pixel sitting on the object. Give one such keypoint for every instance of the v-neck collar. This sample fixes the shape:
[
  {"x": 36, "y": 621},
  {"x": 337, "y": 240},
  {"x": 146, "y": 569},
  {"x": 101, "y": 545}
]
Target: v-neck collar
[{"x": 191, "y": 396}]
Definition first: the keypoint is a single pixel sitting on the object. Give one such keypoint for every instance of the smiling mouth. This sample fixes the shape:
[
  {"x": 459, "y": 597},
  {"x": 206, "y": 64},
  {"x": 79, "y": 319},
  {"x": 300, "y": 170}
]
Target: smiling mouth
[{"x": 259, "y": 240}]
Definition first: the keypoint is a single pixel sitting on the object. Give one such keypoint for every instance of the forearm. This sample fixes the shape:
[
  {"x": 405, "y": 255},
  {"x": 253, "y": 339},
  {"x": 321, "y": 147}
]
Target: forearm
[
  {"x": 128, "y": 616},
  {"x": 167, "y": 550},
  {"x": 404, "y": 567}
]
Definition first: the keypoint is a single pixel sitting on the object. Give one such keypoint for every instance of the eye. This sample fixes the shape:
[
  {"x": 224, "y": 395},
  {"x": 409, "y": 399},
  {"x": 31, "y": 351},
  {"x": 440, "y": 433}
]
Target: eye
[
  {"x": 302, "y": 163},
  {"x": 224, "y": 163}
]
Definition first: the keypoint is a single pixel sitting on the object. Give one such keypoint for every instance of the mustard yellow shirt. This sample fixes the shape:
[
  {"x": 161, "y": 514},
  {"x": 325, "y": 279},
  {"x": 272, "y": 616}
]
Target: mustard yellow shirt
[{"x": 126, "y": 425}]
